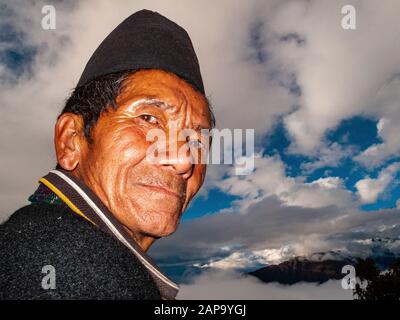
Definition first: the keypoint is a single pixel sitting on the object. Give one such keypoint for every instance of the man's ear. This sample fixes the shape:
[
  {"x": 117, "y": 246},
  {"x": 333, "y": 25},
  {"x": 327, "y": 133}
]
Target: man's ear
[{"x": 68, "y": 137}]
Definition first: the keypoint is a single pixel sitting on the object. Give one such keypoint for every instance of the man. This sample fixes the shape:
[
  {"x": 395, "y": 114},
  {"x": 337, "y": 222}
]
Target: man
[{"x": 91, "y": 220}]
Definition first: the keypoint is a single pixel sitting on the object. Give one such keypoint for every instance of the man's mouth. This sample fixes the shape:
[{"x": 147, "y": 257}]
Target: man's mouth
[{"x": 163, "y": 189}]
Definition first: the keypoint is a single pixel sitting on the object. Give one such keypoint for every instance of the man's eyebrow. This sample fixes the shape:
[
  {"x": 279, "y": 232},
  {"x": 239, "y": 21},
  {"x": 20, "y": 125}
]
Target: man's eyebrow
[
  {"x": 152, "y": 101},
  {"x": 199, "y": 127}
]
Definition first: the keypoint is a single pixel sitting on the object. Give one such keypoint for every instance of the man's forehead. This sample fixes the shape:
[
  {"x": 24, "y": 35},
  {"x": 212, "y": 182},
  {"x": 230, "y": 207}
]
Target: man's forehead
[
  {"x": 163, "y": 80},
  {"x": 160, "y": 83}
]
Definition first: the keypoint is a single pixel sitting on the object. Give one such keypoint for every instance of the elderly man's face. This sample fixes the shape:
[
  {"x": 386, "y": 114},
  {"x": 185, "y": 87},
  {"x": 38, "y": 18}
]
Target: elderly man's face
[{"x": 147, "y": 197}]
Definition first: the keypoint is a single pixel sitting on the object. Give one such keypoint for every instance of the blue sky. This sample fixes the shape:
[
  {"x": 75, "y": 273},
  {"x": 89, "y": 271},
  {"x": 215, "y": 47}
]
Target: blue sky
[
  {"x": 215, "y": 201},
  {"x": 358, "y": 132},
  {"x": 17, "y": 55}
]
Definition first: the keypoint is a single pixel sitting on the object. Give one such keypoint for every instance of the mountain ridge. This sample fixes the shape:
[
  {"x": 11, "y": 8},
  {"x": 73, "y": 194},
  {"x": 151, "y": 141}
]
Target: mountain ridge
[{"x": 319, "y": 268}]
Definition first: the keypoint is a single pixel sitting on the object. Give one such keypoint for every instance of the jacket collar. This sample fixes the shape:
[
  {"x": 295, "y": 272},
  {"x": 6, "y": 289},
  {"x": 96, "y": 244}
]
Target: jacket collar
[{"x": 78, "y": 197}]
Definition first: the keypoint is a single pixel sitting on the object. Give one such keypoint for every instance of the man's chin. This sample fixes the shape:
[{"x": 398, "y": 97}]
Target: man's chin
[
  {"x": 158, "y": 222},
  {"x": 161, "y": 230},
  {"x": 165, "y": 231}
]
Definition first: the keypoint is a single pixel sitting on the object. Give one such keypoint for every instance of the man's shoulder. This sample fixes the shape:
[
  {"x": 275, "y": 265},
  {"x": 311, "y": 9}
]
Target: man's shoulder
[
  {"x": 41, "y": 226},
  {"x": 36, "y": 218},
  {"x": 88, "y": 263}
]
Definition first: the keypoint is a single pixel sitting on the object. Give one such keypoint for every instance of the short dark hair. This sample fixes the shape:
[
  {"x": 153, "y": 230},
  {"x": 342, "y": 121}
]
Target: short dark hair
[{"x": 92, "y": 99}]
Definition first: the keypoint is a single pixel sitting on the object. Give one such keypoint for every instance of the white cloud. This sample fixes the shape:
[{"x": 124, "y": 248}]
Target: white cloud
[
  {"x": 386, "y": 109},
  {"x": 370, "y": 189},
  {"x": 269, "y": 178},
  {"x": 223, "y": 285},
  {"x": 270, "y": 232},
  {"x": 341, "y": 73},
  {"x": 329, "y": 183},
  {"x": 328, "y": 155},
  {"x": 249, "y": 259}
]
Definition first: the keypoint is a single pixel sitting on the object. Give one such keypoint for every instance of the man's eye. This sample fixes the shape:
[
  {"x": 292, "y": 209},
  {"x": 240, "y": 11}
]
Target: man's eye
[
  {"x": 195, "y": 144},
  {"x": 149, "y": 118}
]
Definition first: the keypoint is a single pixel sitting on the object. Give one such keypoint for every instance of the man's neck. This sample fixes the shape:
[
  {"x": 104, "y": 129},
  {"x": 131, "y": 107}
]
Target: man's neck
[{"x": 144, "y": 241}]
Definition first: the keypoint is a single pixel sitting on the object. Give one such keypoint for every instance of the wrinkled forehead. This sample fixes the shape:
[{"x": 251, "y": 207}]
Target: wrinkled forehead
[{"x": 167, "y": 91}]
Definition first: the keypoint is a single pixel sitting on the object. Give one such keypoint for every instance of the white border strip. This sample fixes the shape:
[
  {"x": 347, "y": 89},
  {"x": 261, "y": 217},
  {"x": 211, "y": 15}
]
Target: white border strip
[{"x": 113, "y": 229}]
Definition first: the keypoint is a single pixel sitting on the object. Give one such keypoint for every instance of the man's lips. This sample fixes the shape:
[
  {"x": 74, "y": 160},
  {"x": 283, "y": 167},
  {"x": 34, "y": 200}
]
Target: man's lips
[{"x": 162, "y": 189}]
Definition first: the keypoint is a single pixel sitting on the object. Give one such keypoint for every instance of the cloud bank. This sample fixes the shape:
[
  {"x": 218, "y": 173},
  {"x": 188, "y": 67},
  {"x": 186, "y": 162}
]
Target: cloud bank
[{"x": 218, "y": 285}]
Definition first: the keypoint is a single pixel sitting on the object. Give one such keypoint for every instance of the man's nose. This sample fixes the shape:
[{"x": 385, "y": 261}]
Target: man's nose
[{"x": 179, "y": 159}]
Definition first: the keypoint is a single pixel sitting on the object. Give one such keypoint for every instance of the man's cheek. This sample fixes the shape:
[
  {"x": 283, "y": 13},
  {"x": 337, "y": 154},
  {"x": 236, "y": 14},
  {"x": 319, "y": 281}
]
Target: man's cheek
[
  {"x": 190, "y": 193},
  {"x": 197, "y": 179},
  {"x": 129, "y": 148}
]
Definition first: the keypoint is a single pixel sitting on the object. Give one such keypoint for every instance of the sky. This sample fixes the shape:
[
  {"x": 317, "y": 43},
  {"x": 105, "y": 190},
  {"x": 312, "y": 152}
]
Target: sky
[{"x": 323, "y": 101}]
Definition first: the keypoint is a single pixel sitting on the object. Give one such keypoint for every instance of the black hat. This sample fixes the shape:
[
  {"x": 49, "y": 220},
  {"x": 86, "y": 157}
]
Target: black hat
[{"x": 145, "y": 40}]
